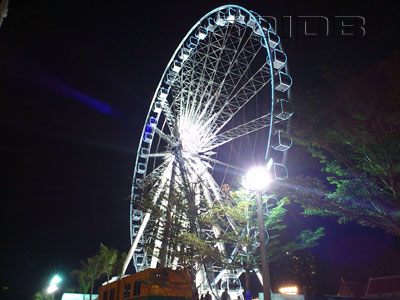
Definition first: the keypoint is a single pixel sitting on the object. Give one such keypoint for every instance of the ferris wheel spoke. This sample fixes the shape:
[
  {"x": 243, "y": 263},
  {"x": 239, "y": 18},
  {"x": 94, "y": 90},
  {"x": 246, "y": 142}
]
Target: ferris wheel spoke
[
  {"x": 198, "y": 168},
  {"x": 164, "y": 136},
  {"x": 169, "y": 116},
  {"x": 157, "y": 173},
  {"x": 241, "y": 130},
  {"x": 222, "y": 70},
  {"x": 207, "y": 158},
  {"x": 212, "y": 61},
  {"x": 238, "y": 65},
  {"x": 154, "y": 155},
  {"x": 253, "y": 86}
]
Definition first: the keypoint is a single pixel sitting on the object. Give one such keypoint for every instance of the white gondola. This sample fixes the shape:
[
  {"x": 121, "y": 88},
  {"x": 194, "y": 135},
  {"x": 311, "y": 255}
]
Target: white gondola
[
  {"x": 284, "y": 82},
  {"x": 148, "y": 137},
  {"x": 135, "y": 229},
  {"x": 144, "y": 152},
  {"x": 139, "y": 182},
  {"x": 220, "y": 21},
  {"x": 141, "y": 168},
  {"x": 231, "y": 282},
  {"x": 192, "y": 43},
  {"x": 202, "y": 33},
  {"x": 280, "y": 171},
  {"x": 240, "y": 19},
  {"x": 259, "y": 31},
  {"x": 284, "y": 110},
  {"x": 157, "y": 108},
  {"x": 231, "y": 16},
  {"x": 139, "y": 260},
  {"x": 176, "y": 66},
  {"x": 163, "y": 94},
  {"x": 137, "y": 215},
  {"x": 137, "y": 197},
  {"x": 281, "y": 141},
  {"x": 279, "y": 59},
  {"x": 273, "y": 39},
  {"x": 152, "y": 121},
  {"x": 170, "y": 79},
  {"x": 184, "y": 54},
  {"x": 211, "y": 25},
  {"x": 139, "y": 246},
  {"x": 251, "y": 23}
]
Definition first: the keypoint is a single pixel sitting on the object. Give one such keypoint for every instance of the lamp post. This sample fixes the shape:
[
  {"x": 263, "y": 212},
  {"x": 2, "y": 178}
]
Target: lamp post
[{"x": 257, "y": 179}]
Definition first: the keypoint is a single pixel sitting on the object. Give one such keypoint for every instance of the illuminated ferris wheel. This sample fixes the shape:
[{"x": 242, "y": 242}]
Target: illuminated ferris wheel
[{"x": 222, "y": 104}]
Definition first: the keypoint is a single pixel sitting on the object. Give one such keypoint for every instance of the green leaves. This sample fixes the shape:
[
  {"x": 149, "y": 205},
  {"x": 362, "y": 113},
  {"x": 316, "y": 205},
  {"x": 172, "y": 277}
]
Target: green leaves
[
  {"x": 355, "y": 134},
  {"x": 241, "y": 209},
  {"x": 106, "y": 261}
]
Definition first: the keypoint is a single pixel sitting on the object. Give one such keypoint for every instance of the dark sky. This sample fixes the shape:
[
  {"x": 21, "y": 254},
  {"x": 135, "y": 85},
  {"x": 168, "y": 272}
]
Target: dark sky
[{"x": 76, "y": 81}]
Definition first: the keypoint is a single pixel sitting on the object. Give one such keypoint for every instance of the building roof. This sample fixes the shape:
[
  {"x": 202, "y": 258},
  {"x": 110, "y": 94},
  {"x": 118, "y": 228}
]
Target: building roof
[
  {"x": 74, "y": 296},
  {"x": 389, "y": 285},
  {"x": 352, "y": 289}
]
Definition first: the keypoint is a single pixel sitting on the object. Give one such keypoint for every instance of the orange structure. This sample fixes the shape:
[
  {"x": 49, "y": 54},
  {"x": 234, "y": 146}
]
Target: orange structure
[{"x": 150, "y": 284}]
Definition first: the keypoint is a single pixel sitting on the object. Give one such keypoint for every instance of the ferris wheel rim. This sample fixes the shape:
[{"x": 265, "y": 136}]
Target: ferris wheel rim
[{"x": 173, "y": 57}]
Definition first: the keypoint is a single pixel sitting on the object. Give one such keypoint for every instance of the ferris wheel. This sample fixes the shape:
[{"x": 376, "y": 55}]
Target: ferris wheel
[{"x": 222, "y": 105}]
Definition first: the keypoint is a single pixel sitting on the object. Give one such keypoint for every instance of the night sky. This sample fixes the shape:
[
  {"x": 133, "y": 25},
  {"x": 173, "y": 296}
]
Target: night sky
[{"x": 76, "y": 81}]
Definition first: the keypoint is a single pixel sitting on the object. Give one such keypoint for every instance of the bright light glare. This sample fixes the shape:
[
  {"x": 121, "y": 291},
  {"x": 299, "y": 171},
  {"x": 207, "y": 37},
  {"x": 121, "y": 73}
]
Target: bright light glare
[
  {"x": 51, "y": 289},
  {"x": 53, "y": 284},
  {"x": 257, "y": 179},
  {"x": 288, "y": 290},
  {"x": 56, "y": 279}
]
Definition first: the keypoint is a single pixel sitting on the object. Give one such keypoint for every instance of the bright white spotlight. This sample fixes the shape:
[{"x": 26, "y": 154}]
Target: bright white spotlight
[
  {"x": 51, "y": 289},
  {"x": 257, "y": 179},
  {"x": 56, "y": 279},
  {"x": 289, "y": 290},
  {"x": 53, "y": 284}
]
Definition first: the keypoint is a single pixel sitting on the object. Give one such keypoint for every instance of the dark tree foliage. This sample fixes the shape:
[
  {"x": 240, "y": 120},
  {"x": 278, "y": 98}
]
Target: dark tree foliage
[
  {"x": 106, "y": 262},
  {"x": 351, "y": 125},
  {"x": 239, "y": 207},
  {"x": 297, "y": 268}
]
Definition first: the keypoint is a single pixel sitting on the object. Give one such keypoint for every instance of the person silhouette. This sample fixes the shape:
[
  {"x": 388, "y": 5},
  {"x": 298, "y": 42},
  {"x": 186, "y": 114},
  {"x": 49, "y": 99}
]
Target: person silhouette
[
  {"x": 225, "y": 295},
  {"x": 208, "y": 296}
]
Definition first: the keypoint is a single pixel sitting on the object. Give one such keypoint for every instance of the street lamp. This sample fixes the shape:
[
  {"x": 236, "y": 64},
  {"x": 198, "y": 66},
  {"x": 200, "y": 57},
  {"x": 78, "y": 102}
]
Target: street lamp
[
  {"x": 257, "y": 179},
  {"x": 53, "y": 284}
]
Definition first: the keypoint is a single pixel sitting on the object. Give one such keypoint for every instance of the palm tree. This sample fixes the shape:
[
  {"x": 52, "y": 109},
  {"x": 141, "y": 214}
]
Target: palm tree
[{"x": 108, "y": 258}]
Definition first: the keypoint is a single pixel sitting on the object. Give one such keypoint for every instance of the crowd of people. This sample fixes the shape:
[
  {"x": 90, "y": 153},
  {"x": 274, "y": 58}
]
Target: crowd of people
[{"x": 225, "y": 296}]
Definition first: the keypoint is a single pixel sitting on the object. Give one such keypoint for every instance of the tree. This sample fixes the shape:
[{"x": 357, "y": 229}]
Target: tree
[
  {"x": 297, "y": 268},
  {"x": 41, "y": 296},
  {"x": 106, "y": 261},
  {"x": 92, "y": 269},
  {"x": 119, "y": 263},
  {"x": 83, "y": 279},
  {"x": 351, "y": 125},
  {"x": 239, "y": 207},
  {"x": 108, "y": 258}
]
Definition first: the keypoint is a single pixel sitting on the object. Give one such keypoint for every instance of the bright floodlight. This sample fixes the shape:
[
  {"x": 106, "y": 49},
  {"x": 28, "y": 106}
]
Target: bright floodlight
[
  {"x": 289, "y": 290},
  {"x": 257, "y": 179},
  {"x": 53, "y": 284},
  {"x": 56, "y": 279},
  {"x": 51, "y": 289}
]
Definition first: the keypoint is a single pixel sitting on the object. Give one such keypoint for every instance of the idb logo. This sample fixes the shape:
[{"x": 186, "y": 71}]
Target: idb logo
[{"x": 318, "y": 26}]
